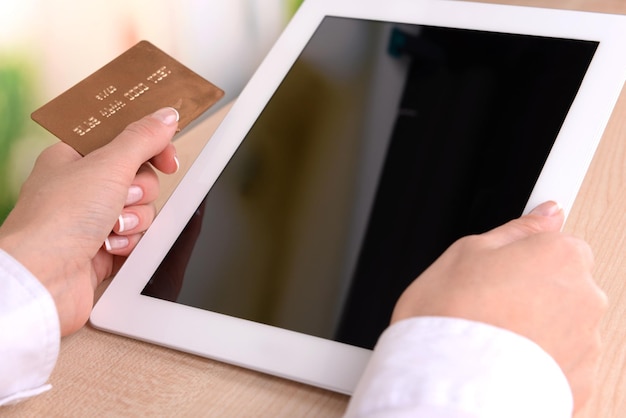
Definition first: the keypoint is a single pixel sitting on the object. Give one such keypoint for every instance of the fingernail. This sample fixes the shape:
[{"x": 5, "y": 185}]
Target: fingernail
[
  {"x": 115, "y": 242},
  {"x": 127, "y": 221},
  {"x": 177, "y": 163},
  {"x": 135, "y": 194},
  {"x": 549, "y": 208},
  {"x": 167, "y": 115}
]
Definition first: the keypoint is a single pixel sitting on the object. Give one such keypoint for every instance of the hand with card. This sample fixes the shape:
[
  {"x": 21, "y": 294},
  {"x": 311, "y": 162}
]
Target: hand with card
[
  {"x": 87, "y": 202},
  {"x": 110, "y": 189}
]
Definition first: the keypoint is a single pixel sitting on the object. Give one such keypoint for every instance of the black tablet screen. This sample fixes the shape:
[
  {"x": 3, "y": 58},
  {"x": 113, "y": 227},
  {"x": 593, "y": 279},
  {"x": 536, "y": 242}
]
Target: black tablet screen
[{"x": 383, "y": 145}]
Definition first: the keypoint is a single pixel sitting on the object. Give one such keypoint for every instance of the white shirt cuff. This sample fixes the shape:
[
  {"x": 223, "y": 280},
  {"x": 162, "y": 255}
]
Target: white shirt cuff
[
  {"x": 29, "y": 333},
  {"x": 450, "y": 367}
]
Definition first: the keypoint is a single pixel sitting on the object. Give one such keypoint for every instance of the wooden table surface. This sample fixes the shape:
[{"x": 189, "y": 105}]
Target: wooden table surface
[{"x": 100, "y": 374}]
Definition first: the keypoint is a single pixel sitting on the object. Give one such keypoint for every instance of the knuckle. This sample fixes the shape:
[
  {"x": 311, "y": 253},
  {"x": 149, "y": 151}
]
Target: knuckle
[
  {"x": 45, "y": 154},
  {"x": 471, "y": 242},
  {"x": 594, "y": 302},
  {"x": 574, "y": 251},
  {"x": 602, "y": 300},
  {"x": 582, "y": 248},
  {"x": 48, "y": 156}
]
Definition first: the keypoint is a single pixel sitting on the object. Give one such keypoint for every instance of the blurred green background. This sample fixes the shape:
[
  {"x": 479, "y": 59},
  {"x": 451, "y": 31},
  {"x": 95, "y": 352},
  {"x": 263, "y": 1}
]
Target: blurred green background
[
  {"x": 16, "y": 93},
  {"x": 46, "y": 47}
]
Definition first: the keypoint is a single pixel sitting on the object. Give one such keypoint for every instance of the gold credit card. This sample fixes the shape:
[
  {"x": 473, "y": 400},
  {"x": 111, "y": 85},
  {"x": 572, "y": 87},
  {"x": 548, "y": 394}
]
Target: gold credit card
[{"x": 140, "y": 81}]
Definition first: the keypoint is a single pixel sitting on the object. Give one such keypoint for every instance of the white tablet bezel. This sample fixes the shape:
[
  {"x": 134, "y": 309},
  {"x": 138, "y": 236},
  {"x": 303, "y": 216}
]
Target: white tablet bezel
[{"x": 313, "y": 360}]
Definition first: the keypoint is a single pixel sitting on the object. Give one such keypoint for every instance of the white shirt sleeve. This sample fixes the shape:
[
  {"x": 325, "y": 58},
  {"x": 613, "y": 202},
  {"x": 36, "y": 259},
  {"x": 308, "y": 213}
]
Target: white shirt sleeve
[
  {"x": 439, "y": 367},
  {"x": 29, "y": 333}
]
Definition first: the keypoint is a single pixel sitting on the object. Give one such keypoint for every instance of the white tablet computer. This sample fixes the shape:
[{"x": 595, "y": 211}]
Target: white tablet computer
[{"x": 374, "y": 134}]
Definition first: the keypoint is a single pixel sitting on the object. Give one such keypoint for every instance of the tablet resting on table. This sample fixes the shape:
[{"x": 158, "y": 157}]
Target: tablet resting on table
[{"x": 374, "y": 134}]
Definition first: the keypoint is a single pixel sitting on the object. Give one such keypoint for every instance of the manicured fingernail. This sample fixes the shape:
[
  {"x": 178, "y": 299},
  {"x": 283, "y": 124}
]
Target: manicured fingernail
[
  {"x": 177, "y": 163},
  {"x": 115, "y": 242},
  {"x": 127, "y": 221},
  {"x": 167, "y": 115},
  {"x": 549, "y": 208},
  {"x": 135, "y": 194}
]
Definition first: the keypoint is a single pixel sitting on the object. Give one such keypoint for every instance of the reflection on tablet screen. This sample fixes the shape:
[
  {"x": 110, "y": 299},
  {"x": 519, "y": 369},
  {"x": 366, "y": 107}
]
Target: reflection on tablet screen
[{"x": 383, "y": 145}]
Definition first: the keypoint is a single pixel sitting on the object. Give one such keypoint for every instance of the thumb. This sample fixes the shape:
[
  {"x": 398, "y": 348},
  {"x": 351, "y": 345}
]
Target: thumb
[
  {"x": 142, "y": 141},
  {"x": 547, "y": 217}
]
